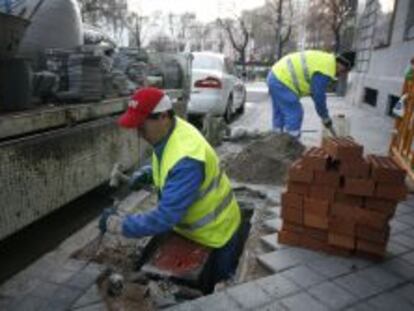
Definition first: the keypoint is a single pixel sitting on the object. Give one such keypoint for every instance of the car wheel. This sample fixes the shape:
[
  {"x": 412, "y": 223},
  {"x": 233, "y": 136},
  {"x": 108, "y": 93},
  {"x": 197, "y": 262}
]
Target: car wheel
[
  {"x": 228, "y": 114},
  {"x": 242, "y": 107}
]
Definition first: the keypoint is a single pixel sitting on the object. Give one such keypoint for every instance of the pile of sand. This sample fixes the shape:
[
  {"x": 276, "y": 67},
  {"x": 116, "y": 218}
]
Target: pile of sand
[{"x": 264, "y": 161}]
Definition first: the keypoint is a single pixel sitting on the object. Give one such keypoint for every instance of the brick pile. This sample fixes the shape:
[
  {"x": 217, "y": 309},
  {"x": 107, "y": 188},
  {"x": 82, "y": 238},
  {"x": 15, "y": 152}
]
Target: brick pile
[{"x": 339, "y": 201}]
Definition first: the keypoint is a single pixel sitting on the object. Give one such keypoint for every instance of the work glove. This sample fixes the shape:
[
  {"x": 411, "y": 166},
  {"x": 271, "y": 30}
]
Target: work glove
[
  {"x": 141, "y": 178},
  {"x": 110, "y": 221},
  {"x": 327, "y": 122}
]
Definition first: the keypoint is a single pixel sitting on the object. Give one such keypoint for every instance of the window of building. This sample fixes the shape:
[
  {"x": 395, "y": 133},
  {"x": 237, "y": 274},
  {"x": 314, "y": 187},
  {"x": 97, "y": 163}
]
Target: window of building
[
  {"x": 384, "y": 23},
  {"x": 409, "y": 24},
  {"x": 370, "y": 97}
]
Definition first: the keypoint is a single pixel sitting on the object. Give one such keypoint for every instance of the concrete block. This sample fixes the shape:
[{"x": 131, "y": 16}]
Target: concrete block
[
  {"x": 303, "y": 276},
  {"x": 357, "y": 285},
  {"x": 329, "y": 267},
  {"x": 271, "y": 242},
  {"x": 221, "y": 302},
  {"x": 273, "y": 225},
  {"x": 92, "y": 296},
  {"x": 302, "y": 302},
  {"x": 249, "y": 295},
  {"x": 277, "y": 286},
  {"x": 332, "y": 295},
  {"x": 390, "y": 301}
]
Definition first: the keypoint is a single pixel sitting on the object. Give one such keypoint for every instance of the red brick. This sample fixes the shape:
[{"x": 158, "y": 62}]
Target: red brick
[
  {"x": 371, "y": 218},
  {"x": 293, "y": 227},
  {"x": 312, "y": 243},
  {"x": 373, "y": 235},
  {"x": 385, "y": 169},
  {"x": 391, "y": 191},
  {"x": 381, "y": 206},
  {"x": 342, "y": 226},
  {"x": 317, "y": 234},
  {"x": 357, "y": 186},
  {"x": 322, "y": 193},
  {"x": 315, "y": 221},
  {"x": 292, "y": 199},
  {"x": 377, "y": 249},
  {"x": 349, "y": 199},
  {"x": 327, "y": 178},
  {"x": 292, "y": 214},
  {"x": 347, "y": 242},
  {"x": 289, "y": 238},
  {"x": 345, "y": 212},
  {"x": 298, "y": 188},
  {"x": 316, "y": 159},
  {"x": 299, "y": 173},
  {"x": 316, "y": 206},
  {"x": 355, "y": 169},
  {"x": 343, "y": 148}
]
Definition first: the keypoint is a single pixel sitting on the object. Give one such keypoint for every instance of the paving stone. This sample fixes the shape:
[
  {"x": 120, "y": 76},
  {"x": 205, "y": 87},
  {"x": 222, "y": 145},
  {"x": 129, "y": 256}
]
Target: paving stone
[
  {"x": 44, "y": 290},
  {"x": 286, "y": 258},
  {"x": 355, "y": 263},
  {"x": 74, "y": 265},
  {"x": 28, "y": 303},
  {"x": 91, "y": 296},
  {"x": 221, "y": 302},
  {"x": 273, "y": 225},
  {"x": 330, "y": 267},
  {"x": 356, "y": 285},
  {"x": 403, "y": 239},
  {"x": 188, "y": 306},
  {"x": 409, "y": 257},
  {"x": 6, "y": 303},
  {"x": 400, "y": 267},
  {"x": 404, "y": 208},
  {"x": 407, "y": 219},
  {"x": 390, "y": 301},
  {"x": 406, "y": 291},
  {"x": 249, "y": 295},
  {"x": 380, "y": 277},
  {"x": 277, "y": 286},
  {"x": 302, "y": 301},
  {"x": 395, "y": 248},
  {"x": 66, "y": 295},
  {"x": 303, "y": 276},
  {"x": 19, "y": 286},
  {"x": 94, "y": 307},
  {"x": 332, "y": 295},
  {"x": 398, "y": 226},
  {"x": 60, "y": 276},
  {"x": 271, "y": 242},
  {"x": 409, "y": 232},
  {"x": 363, "y": 306},
  {"x": 83, "y": 279},
  {"x": 274, "y": 306}
]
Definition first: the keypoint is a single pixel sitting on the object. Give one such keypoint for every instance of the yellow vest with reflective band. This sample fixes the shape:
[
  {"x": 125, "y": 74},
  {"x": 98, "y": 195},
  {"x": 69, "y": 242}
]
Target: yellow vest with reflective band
[
  {"x": 215, "y": 216},
  {"x": 297, "y": 69}
]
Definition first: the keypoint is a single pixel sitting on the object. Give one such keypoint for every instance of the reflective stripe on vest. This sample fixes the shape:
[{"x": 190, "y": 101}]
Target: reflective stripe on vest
[
  {"x": 293, "y": 74},
  {"x": 210, "y": 217}
]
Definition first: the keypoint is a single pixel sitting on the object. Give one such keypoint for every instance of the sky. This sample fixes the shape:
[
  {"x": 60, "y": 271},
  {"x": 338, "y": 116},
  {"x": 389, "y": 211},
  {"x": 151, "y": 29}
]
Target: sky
[{"x": 206, "y": 10}]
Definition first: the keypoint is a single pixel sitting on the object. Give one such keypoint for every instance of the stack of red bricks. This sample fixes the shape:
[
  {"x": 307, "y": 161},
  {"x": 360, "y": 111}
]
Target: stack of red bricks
[{"x": 339, "y": 202}]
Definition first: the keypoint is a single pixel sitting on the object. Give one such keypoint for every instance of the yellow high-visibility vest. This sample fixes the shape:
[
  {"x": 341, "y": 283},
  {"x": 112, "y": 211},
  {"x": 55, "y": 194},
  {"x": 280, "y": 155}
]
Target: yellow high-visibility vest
[
  {"x": 297, "y": 69},
  {"x": 215, "y": 216}
]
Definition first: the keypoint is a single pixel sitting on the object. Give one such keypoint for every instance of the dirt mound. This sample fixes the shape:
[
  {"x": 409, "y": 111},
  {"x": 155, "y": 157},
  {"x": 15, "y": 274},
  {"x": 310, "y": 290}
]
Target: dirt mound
[{"x": 265, "y": 161}]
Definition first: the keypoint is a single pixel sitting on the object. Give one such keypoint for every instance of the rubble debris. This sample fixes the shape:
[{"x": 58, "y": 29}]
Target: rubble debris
[
  {"x": 336, "y": 210},
  {"x": 264, "y": 161}
]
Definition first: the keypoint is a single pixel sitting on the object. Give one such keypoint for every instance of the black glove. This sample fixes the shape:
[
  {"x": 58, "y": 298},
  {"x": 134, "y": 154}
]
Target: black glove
[
  {"x": 103, "y": 221},
  {"x": 327, "y": 122}
]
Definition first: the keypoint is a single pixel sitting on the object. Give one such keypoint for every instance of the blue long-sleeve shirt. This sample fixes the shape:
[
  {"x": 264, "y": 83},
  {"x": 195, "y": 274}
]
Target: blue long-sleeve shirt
[
  {"x": 319, "y": 85},
  {"x": 179, "y": 193}
]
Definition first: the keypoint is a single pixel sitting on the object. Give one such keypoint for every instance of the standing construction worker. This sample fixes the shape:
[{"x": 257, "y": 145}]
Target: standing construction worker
[
  {"x": 195, "y": 196},
  {"x": 301, "y": 74}
]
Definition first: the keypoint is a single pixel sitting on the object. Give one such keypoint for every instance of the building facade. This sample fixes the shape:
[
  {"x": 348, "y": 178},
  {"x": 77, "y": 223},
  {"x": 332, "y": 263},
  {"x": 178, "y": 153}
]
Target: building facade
[{"x": 384, "y": 46}]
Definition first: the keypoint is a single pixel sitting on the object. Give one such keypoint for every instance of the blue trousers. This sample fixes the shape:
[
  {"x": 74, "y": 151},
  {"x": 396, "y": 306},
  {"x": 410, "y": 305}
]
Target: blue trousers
[{"x": 287, "y": 110}]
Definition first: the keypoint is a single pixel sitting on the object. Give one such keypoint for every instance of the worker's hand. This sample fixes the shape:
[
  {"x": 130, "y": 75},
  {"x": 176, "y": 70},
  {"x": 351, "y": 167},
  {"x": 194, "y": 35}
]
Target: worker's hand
[
  {"x": 327, "y": 122},
  {"x": 140, "y": 178},
  {"x": 110, "y": 221}
]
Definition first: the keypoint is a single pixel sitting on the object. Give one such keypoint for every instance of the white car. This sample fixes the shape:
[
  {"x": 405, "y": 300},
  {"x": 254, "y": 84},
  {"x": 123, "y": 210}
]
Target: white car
[{"x": 215, "y": 88}]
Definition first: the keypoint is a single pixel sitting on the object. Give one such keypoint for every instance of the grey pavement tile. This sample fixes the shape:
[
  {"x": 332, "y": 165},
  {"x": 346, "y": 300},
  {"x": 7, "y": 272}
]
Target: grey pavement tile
[
  {"x": 83, "y": 279},
  {"x": 60, "y": 276},
  {"x": 286, "y": 258},
  {"x": 273, "y": 225},
  {"x": 249, "y": 295},
  {"x": 274, "y": 306},
  {"x": 355, "y": 263},
  {"x": 55, "y": 305},
  {"x": 409, "y": 232},
  {"x": 187, "y": 306},
  {"x": 270, "y": 241},
  {"x": 74, "y": 265},
  {"x": 28, "y": 303},
  {"x": 357, "y": 285},
  {"x": 19, "y": 286},
  {"x": 395, "y": 248},
  {"x": 407, "y": 219},
  {"x": 332, "y": 295},
  {"x": 91, "y": 296},
  {"x": 44, "y": 290},
  {"x": 93, "y": 307},
  {"x": 303, "y": 276},
  {"x": 221, "y": 302},
  {"x": 406, "y": 207},
  {"x": 400, "y": 267},
  {"x": 380, "y": 277},
  {"x": 66, "y": 295},
  {"x": 302, "y": 301},
  {"x": 406, "y": 291},
  {"x": 398, "y": 226},
  {"x": 403, "y": 239},
  {"x": 330, "y": 267},
  {"x": 362, "y": 306},
  {"x": 277, "y": 286},
  {"x": 409, "y": 257},
  {"x": 390, "y": 301},
  {"x": 6, "y": 303}
]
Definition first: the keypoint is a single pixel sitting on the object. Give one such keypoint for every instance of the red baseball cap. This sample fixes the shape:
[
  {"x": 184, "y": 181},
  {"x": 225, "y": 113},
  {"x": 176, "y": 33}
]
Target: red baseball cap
[{"x": 144, "y": 102}]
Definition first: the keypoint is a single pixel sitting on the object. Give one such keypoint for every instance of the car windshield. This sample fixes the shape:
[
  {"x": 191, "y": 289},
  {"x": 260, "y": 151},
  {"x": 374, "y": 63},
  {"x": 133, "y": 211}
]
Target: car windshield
[{"x": 207, "y": 62}]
